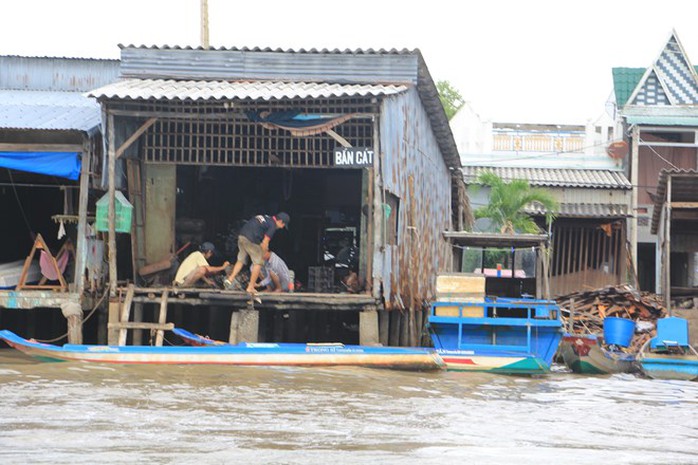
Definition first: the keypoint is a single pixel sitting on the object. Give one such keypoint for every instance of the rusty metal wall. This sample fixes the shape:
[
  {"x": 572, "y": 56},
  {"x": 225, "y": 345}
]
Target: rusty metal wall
[{"x": 413, "y": 169}]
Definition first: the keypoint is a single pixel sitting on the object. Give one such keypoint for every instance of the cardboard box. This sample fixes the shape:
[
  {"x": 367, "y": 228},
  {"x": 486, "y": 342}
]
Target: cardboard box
[{"x": 460, "y": 285}]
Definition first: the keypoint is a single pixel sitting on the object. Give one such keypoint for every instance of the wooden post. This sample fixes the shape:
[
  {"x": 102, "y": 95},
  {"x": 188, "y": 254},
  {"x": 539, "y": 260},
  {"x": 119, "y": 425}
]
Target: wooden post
[
  {"x": 81, "y": 247},
  {"x": 634, "y": 181},
  {"x": 137, "y": 316},
  {"x": 375, "y": 225},
  {"x": 234, "y": 338},
  {"x": 368, "y": 327},
  {"x": 111, "y": 162},
  {"x": 114, "y": 312},
  {"x": 125, "y": 314},
  {"x": 570, "y": 320},
  {"x": 667, "y": 241},
  {"x": 72, "y": 311},
  {"x": 162, "y": 318},
  {"x": 383, "y": 327}
]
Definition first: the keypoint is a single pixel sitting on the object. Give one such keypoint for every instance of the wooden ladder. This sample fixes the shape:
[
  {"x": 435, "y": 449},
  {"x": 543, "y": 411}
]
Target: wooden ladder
[{"x": 124, "y": 324}]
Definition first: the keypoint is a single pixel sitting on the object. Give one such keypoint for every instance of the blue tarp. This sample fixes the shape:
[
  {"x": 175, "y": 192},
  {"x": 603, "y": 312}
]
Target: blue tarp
[{"x": 62, "y": 164}]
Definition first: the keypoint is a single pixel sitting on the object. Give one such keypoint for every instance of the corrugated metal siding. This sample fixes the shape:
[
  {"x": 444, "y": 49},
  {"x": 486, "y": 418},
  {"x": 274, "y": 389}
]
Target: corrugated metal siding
[
  {"x": 551, "y": 177},
  {"x": 224, "y": 64},
  {"x": 584, "y": 210},
  {"x": 22, "y": 109},
  {"x": 414, "y": 170},
  {"x": 332, "y": 66},
  {"x": 167, "y": 89},
  {"x": 56, "y": 74}
]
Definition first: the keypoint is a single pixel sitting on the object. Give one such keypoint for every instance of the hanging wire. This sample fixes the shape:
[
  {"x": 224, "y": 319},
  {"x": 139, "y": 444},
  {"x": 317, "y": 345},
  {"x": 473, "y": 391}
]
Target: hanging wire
[{"x": 19, "y": 202}]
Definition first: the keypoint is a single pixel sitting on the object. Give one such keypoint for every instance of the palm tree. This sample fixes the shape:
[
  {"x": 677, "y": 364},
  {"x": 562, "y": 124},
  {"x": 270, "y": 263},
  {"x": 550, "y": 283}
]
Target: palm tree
[{"x": 507, "y": 201}]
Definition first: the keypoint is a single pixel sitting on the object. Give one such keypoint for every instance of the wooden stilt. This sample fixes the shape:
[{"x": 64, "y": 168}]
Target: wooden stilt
[{"x": 162, "y": 319}]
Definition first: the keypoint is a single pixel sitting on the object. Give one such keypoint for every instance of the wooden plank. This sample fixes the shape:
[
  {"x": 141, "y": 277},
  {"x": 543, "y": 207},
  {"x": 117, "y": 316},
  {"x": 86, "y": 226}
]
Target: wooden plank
[
  {"x": 125, "y": 314},
  {"x": 144, "y": 127},
  {"x": 15, "y": 147},
  {"x": 141, "y": 325},
  {"x": 162, "y": 318}
]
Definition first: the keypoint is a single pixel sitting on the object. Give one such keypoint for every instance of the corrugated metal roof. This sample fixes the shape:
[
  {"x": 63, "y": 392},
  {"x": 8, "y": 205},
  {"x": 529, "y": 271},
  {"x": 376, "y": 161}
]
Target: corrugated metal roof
[
  {"x": 168, "y": 89},
  {"x": 584, "y": 210},
  {"x": 56, "y": 74},
  {"x": 550, "y": 177},
  {"x": 365, "y": 67},
  {"x": 684, "y": 188},
  {"x": 22, "y": 109},
  {"x": 358, "y": 66}
]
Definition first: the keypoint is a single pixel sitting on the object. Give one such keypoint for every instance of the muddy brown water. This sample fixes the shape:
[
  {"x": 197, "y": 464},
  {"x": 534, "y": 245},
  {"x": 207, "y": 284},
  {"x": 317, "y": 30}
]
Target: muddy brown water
[{"x": 76, "y": 413}]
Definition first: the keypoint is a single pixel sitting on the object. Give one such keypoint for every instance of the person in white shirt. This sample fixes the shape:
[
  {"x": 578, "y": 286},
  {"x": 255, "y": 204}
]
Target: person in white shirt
[{"x": 275, "y": 274}]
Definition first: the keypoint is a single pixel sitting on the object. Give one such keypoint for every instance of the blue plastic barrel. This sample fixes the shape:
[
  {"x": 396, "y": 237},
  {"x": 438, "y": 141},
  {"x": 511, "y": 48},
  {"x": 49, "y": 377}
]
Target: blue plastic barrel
[{"x": 618, "y": 331}]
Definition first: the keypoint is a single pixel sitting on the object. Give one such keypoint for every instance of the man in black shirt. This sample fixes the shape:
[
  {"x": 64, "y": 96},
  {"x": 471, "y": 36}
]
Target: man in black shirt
[{"x": 253, "y": 242}]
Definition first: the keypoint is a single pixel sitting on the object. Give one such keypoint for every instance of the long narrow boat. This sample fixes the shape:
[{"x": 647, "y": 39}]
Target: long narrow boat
[
  {"x": 523, "y": 342},
  {"x": 243, "y": 354},
  {"x": 669, "y": 355},
  {"x": 585, "y": 354}
]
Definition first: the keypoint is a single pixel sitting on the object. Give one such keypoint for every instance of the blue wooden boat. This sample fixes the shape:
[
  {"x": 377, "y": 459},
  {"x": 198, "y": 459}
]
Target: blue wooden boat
[
  {"x": 669, "y": 355},
  {"x": 522, "y": 342},
  {"x": 243, "y": 354},
  {"x": 497, "y": 319}
]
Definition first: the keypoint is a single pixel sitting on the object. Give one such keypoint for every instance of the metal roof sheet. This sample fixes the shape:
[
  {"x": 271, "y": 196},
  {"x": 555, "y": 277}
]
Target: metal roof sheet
[
  {"x": 684, "y": 188},
  {"x": 169, "y": 89},
  {"x": 56, "y": 74},
  {"x": 552, "y": 177},
  {"x": 44, "y": 110},
  {"x": 584, "y": 210}
]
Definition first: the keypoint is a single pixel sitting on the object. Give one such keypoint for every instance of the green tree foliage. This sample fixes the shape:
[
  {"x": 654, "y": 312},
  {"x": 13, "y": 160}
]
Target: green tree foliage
[
  {"x": 451, "y": 99},
  {"x": 507, "y": 200}
]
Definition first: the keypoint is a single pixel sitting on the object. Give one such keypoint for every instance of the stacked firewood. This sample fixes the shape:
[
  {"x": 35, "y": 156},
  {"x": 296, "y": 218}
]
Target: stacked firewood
[{"x": 587, "y": 310}]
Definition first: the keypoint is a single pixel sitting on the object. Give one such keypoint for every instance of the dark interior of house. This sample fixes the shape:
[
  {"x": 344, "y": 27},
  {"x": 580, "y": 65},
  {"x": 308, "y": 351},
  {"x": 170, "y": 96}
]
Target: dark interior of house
[{"x": 324, "y": 205}]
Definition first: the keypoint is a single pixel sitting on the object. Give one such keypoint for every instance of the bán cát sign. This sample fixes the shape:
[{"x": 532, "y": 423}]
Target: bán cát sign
[{"x": 353, "y": 157}]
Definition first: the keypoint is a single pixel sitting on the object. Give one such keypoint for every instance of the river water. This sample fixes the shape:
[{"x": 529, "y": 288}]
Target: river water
[{"x": 75, "y": 413}]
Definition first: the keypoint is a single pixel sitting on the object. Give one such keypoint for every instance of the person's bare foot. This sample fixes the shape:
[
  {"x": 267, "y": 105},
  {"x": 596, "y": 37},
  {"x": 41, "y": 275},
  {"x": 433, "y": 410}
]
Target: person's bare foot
[{"x": 251, "y": 290}]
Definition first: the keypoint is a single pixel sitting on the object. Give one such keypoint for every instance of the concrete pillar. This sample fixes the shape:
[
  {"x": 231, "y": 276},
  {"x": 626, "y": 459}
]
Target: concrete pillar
[
  {"x": 244, "y": 326},
  {"x": 368, "y": 327}
]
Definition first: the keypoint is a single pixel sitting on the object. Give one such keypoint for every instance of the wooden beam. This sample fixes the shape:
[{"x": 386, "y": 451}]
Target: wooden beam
[
  {"x": 111, "y": 213},
  {"x": 684, "y": 204},
  {"x": 342, "y": 141},
  {"x": 141, "y": 325},
  {"x": 144, "y": 127},
  {"x": 81, "y": 247},
  {"x": 7, "y": 147}
]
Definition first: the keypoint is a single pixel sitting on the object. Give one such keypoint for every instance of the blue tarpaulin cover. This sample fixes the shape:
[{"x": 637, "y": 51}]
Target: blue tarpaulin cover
[
  {"x": 298, "y": 124},
  {"x": 62, "y": 164}
]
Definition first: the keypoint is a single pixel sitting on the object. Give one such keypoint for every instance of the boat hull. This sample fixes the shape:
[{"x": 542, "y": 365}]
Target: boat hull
[
  {"x": 584, "y": 354},
  {"x": 464, "y": 360},
  {"x": 670, "y": 366},
  {"x": 244, "y": 354}
]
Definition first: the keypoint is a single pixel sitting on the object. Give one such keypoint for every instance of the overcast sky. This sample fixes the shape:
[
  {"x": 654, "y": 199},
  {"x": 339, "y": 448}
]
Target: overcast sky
[{"x": 521, "y": 61}]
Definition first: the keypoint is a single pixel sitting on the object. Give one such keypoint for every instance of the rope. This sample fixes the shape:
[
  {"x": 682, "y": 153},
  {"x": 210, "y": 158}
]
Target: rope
[{"x": 99, "y": 302}]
